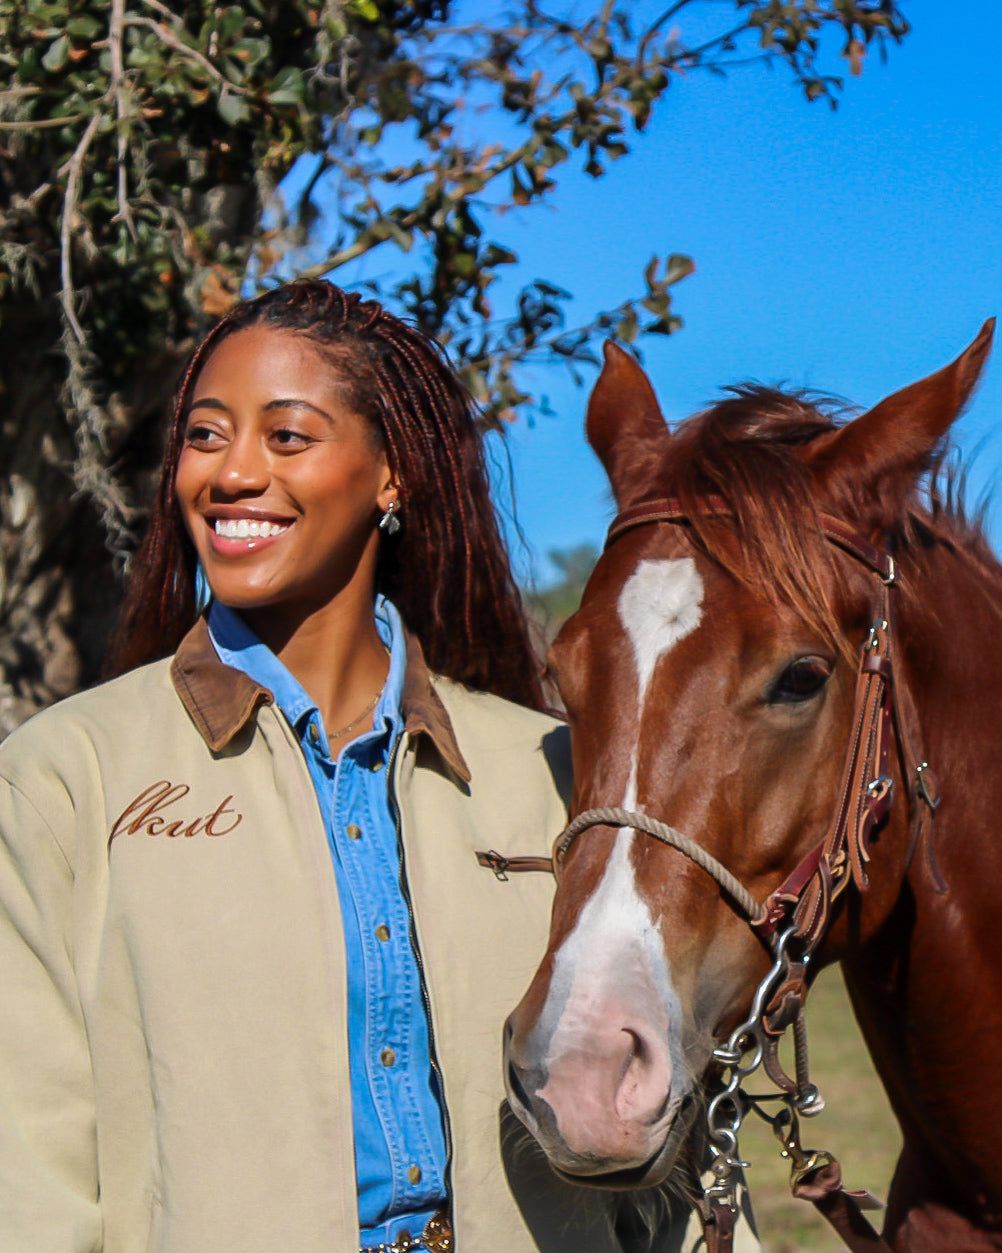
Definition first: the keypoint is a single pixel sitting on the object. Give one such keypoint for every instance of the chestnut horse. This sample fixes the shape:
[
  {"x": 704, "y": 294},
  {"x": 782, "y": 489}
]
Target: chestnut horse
[{"x": 790, "y": 651}]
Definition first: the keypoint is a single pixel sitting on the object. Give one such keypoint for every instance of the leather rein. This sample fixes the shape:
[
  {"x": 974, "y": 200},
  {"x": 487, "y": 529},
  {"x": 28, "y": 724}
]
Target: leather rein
[{"x": 794, "y": 919}]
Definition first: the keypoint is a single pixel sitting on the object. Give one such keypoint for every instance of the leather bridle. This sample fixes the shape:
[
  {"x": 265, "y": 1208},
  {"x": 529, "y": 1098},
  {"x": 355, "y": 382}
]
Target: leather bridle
[
  {"x": 796, "y": 916},
  {"x": 880, "y": 710}
]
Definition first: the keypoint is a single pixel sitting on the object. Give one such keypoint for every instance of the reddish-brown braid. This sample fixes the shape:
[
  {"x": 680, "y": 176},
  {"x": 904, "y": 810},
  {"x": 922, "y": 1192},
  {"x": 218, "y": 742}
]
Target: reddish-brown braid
[{"x": 447, "y": 569}]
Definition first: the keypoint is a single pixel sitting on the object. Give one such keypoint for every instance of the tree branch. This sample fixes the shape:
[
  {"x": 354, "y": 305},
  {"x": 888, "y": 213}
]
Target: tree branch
[
  {"x": 42, "y": 123},
  {"x": 67, "y": 296},
  {"x": 116, "y": 32},
  {"x": 163, "y": 10},
  {"x": 193, "y": 54}
]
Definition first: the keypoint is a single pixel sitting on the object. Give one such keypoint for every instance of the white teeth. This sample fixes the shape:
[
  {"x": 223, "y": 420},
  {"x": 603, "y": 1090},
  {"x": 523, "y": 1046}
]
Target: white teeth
[{"x": 245, "y": 528}]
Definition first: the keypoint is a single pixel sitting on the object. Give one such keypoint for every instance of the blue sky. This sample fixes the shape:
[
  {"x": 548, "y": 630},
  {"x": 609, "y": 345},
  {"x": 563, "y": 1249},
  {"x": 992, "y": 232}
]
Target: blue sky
[{"x": 851, "y": 251}]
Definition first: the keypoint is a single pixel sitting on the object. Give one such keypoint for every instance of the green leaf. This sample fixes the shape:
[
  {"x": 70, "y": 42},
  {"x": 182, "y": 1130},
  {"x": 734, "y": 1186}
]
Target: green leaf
[
  {"x": 83, "y": 27},
  {"x": 464, "y": 264},
  {"x": 233, "y": 109},
  {"x": 288, "y": 87},
  {"x": 57, "y": 55},
  {"x": 678, "y": 267}
]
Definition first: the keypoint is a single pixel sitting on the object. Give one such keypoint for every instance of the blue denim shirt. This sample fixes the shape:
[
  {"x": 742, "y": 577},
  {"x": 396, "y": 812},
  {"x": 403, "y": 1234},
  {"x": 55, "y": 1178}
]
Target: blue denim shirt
[{"x": 400, "y": 1144}]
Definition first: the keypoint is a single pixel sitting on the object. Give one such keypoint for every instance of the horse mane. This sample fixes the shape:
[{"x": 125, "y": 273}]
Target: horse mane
[{"x": 747, "y": 449}]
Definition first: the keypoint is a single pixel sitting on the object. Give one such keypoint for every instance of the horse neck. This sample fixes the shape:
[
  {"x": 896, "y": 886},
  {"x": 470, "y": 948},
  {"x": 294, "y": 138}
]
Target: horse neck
[
  {"x": 927, "y": 983},
  {"x": 949, "y": 626}
]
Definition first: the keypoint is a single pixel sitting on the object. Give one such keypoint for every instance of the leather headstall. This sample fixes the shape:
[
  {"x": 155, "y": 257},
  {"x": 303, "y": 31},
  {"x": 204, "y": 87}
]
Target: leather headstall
[
  {"x": 808, "y": 893},
  {"x": 802, "y": 906}
]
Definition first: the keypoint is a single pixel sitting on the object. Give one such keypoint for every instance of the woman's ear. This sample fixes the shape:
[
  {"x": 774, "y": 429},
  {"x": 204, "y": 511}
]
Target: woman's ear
[
  {"x": 389, "y": 495},
  {"x": 883, "y": 452}
]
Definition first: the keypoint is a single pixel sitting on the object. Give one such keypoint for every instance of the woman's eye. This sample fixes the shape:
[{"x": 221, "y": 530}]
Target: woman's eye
[
  {"x": 285, "y": 437},
  {"x": 801, "y": 680},
  {"x": 197, "y": 434}
]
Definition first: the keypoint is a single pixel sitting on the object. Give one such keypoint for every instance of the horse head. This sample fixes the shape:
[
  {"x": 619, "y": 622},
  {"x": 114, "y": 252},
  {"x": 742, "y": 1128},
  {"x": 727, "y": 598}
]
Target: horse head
[{"x": 711, "y": 681}]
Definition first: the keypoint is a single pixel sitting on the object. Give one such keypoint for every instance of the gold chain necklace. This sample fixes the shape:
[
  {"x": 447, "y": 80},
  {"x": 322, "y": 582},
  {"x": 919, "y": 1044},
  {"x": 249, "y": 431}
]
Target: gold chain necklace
[{"x": 336, "y": 735}]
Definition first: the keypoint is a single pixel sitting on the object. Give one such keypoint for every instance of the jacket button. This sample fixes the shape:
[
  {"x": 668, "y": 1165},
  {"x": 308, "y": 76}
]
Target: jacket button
[
  {"x": 314, "y": 732},
  {"x": 383, "y": 932},
  {"x": 387, "y": 1057},
  {"x": 353, "y": 832},
  {"x": 414, "y": 1174}
]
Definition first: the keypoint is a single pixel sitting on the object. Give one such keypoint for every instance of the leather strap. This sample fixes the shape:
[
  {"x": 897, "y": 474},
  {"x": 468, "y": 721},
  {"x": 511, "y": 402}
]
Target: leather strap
[
  {"x": 718, "y": 1228},
  {"x": 865, "y": 795},
  {"x": 670, "y": 509},
  {"x": 842, "y": 1208},
  {"x": 503, "y": 866}
]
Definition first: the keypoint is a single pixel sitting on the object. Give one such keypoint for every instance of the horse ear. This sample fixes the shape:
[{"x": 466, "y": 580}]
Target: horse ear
[
  {"x": 625, "y": 425},
  {"x": 896, "y": 438}
]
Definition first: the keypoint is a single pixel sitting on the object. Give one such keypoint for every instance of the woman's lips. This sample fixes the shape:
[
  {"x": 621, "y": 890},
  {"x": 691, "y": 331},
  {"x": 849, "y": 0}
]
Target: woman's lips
[
  {"x": 248, "y": 528},
  {"x": 233, "y": 536}
]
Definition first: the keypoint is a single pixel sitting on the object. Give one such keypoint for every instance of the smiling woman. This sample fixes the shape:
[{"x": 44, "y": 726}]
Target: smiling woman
[
  {"x": 254, "y": 976},
  {"x": 269, "y": 443}
]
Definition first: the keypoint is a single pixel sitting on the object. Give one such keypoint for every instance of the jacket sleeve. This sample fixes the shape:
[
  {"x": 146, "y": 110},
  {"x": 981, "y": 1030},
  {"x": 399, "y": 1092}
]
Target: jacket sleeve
[{"x": 48, "y": 1155}]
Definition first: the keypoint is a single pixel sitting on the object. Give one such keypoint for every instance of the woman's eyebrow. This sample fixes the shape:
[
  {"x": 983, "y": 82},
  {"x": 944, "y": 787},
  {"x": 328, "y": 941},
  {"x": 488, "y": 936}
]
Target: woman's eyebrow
[
  {"x": 296, "y": 402},
  {"x": 282, "y": 402}
]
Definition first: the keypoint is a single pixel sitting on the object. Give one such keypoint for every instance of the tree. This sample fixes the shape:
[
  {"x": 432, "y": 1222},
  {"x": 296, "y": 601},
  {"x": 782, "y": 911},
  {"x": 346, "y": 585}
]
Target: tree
[
  {"x": 549, "y": 607},
  {"x": 143, "y": 148}
]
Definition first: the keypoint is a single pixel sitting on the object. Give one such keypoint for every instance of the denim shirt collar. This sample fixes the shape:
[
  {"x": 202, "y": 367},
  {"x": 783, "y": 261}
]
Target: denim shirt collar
[
  {"x": 240, "y": 648},
  {"x": 221, "y": 701}
]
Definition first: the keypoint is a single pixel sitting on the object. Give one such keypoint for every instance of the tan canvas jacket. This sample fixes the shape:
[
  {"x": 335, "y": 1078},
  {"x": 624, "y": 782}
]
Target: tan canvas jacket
[{"x": 173, "y": 1052}]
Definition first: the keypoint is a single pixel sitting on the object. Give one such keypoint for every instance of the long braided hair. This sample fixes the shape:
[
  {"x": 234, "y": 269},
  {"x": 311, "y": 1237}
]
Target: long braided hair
[{"x": 447, "y": 568}]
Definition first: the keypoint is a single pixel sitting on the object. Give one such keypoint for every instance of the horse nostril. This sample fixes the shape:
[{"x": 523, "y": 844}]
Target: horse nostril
[{"x": 515, "y": 1087}]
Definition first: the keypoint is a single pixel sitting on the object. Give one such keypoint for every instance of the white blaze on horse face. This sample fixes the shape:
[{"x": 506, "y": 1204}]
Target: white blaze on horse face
[
  {"x": 615, "y": 1074},
  {"x": 660, "y": 604},
  {"x": 610, "y": 982}
]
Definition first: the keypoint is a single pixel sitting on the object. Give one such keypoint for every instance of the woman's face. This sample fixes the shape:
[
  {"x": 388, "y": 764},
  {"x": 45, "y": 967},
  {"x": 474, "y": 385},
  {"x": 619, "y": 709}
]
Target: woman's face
[{"x": 280, "y": 485}]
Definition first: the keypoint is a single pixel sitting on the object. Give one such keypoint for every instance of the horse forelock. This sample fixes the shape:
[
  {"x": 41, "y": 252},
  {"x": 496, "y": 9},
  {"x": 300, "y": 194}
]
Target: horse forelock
[{"x": 747, "y": 451}]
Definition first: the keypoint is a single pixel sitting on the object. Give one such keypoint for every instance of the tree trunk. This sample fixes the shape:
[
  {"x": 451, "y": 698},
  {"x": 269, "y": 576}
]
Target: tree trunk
[{"x": 60, "y": 583}]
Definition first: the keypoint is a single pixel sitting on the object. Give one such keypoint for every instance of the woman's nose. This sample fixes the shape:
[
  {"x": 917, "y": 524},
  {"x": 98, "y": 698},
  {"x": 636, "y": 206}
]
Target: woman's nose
[{"x": 243, "y": 467}]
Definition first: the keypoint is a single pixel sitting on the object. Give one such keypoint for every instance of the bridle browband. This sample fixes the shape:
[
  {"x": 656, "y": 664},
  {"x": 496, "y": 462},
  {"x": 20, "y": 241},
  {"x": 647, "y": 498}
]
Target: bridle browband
[{"x": 796, "y": 916}]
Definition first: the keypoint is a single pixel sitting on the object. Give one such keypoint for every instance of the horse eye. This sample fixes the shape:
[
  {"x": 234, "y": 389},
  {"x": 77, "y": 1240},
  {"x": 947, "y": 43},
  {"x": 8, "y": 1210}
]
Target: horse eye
[{"x": 801, "y": 680}]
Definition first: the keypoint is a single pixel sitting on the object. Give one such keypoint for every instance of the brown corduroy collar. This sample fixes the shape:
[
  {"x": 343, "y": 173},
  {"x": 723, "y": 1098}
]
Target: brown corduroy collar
[{"x": 221, "y": 700}]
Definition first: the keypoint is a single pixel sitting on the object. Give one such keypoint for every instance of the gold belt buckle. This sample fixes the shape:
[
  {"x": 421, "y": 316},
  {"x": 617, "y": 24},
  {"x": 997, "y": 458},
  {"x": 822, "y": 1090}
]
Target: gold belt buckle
[
  {"x": 437, "y": 1235},
  {"x": 436, "y": 1238}
]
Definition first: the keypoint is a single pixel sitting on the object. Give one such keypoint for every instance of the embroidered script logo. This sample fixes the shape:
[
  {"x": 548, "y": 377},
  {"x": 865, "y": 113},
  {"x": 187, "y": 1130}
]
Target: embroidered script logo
[{"x": 146, "y": 814}]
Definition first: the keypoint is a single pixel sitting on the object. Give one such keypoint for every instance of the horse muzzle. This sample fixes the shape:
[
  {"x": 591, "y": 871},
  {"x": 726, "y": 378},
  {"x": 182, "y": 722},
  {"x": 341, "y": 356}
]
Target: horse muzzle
[{"x": 601, "y": 1097}]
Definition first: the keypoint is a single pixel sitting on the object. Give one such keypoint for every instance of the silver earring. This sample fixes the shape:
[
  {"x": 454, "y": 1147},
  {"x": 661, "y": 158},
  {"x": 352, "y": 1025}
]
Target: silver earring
[
  {"x": 203, "y": 593},
  {"x": 389, "y": 522}
]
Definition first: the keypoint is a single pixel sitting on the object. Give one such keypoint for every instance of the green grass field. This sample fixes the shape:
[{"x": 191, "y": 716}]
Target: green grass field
[{"x": 856, "y": 1126}]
